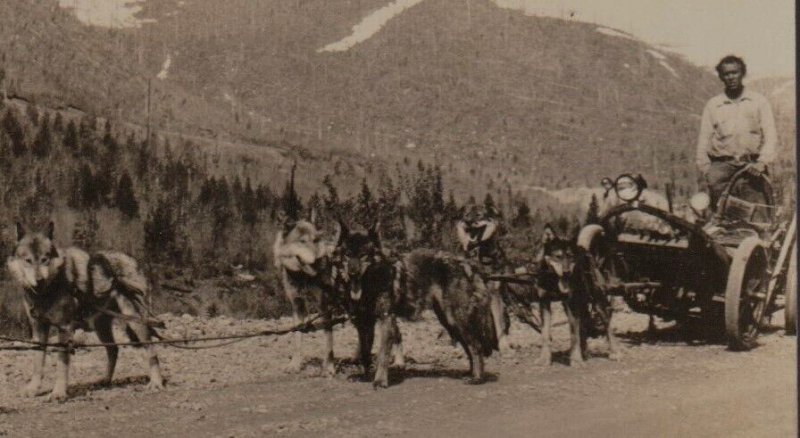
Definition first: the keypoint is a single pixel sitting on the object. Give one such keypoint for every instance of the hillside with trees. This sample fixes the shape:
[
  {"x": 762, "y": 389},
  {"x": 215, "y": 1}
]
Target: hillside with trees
[{"x": 496, "y": 98}]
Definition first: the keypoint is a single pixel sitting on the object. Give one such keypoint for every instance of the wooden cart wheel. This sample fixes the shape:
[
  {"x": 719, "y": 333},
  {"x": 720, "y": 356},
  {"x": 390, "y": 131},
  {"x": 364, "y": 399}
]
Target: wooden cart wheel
[
  {"x": 745, "y": 293},
  {"x": 790, "y": 312}
]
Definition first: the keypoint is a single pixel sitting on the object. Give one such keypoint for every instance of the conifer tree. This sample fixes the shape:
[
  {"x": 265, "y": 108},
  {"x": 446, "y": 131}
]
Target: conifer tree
[
  {"x": 522, "y": 218},
  {"x": 365, "y": 208},
  {"x": 33, "y": 114},
  {"x": 15, "y": 133},
  {"x": 43, "y": 142},
  {"x": 593, "y": 216},
  {"x": 71, "y": 142},
  {"x": 58, "y": 123},
  {"x": 249, "y": 204},
  {"x": 290, "y": 201},
  {"x": 125, "y": 198}
]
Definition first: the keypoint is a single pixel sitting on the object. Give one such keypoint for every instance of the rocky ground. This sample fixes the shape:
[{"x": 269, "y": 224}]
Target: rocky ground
[{"x": 667, "y": 388}]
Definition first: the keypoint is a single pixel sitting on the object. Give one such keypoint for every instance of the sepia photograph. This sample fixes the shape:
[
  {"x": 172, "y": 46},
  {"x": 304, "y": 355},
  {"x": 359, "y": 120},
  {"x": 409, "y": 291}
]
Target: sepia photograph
[{"x": 435, "y": 218}]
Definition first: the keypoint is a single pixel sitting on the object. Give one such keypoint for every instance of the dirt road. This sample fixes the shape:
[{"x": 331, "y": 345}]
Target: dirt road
[{"x": 667, "y": 389}]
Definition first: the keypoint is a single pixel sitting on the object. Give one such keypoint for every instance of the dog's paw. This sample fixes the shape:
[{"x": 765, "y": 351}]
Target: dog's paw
[
  {"x": 505, "y": 348},
  {"x": 380, "y": 384},
  {"x": 30, "y": 390},
  {"x": 358, "y": 377},
  {"x": 155, "y": 385},
  {"x": 577, "y": 362},
  {"x": 58, "y": 395},
  {"x": 616, "y": 356},
  {"x": 293, "y": 367},
  {"x": 545, "y": 360},
  {"x": 474, "y": 380},
  {"x": 328, "y": 368},
  {"x": 399, "y": 360}
]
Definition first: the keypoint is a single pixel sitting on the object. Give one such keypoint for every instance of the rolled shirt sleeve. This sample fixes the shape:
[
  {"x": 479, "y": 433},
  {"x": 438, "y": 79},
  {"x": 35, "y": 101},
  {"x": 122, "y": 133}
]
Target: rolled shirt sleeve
[{"x": 769, "y": 134}]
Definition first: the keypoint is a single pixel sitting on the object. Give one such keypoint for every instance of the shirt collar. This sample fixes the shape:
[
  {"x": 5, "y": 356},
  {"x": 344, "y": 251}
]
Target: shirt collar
[{"x": 746, "y": 95}]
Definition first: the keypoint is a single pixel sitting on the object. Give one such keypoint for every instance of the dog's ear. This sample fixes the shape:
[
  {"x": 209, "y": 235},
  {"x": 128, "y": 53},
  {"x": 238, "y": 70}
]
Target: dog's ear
[
  {"x": 549, "y": 234},
  {"x": 20, "y": 231},
  {"x": 463, "y": 237},
  {"x": 375, "y": 233},
  {"x": 51, "y": 228},
  {"x": 341, "y": 233},
  {"x": 313, "y": 216}
]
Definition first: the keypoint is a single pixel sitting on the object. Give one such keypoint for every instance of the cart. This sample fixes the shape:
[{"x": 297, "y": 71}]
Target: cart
[{"x": 731, "y": 271}]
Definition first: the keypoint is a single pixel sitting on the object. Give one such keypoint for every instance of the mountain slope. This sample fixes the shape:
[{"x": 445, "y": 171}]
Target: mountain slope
[
  {"x": 502, "y": 101},
  {"x": 539, "y": 100}
]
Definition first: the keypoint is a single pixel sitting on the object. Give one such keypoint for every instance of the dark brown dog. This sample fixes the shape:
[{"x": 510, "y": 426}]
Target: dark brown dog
[
  {"x": 560, "y": 277},
  {"x": 460, "y": 300},
  {"x": 375, "y": 284}
]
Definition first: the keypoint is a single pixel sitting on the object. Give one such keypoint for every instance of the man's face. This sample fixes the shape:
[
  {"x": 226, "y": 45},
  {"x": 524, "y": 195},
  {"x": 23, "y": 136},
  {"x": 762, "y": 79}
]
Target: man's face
[{"x": 731, "y": 75}]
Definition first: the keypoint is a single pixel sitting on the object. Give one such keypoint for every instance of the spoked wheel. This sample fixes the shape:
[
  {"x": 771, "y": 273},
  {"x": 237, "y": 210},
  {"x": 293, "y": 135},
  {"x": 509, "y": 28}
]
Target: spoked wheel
[
  {"x": 790, "y": 311},
  {"x": 745, "y": 294}
]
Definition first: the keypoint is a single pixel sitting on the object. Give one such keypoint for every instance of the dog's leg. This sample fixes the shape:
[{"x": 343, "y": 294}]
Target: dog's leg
[
  {"x": 298, "y": 354},
  {"x": 546, "y": 357},
  {"x": 397, "y": 343},
  {"x": 357, "y": 353},
  {"x": 366, "y": 337},
  {"x": 62, "y": 368},
  {"x": 40, "y": 334},
  {"x": 329, "y": 363},
  {"x": 447, "y": 320},
  {"x": 385, "y": 328},
  {"x": 156, "y": 379},
  {"x": 142, "y": 332},
  {"x": 475, "y": 364},
  {"x": 614, "y": 349},
  {"x": 651, "y": 328},
  {"x": 576, "y": 347},
  {"x": 299, "y": 315},
  {"x": 102, "y": 326},
  {"x": 496, "y": 290}
]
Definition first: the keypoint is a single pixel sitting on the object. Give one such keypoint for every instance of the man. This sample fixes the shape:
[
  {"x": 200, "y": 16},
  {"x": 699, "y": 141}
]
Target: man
[{"x": 737, "y": 130}]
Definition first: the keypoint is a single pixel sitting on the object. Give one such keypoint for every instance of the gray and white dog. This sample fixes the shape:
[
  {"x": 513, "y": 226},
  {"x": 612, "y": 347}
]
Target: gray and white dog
[{"x": 68, "y": 289}]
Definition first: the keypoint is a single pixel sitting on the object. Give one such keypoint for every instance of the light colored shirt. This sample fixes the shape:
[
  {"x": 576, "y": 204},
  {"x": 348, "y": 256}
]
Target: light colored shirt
[{"x": 735, "y": 128}]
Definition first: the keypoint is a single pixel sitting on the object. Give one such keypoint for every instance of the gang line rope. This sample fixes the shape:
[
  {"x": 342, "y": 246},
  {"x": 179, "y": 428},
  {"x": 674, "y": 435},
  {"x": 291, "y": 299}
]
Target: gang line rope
[{"x": 304, "y": 327}]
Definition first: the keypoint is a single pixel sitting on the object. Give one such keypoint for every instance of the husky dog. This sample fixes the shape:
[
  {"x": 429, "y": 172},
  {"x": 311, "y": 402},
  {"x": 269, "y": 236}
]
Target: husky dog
[
  {"x": 375, "y": 283},
  {"x": 477, "y": 232},
  {"x": 303, "y": 260},
  {"x": 559, "y": 277},
  {"x": 460, "y": 300},
  {"x": 67, "y": 289}
]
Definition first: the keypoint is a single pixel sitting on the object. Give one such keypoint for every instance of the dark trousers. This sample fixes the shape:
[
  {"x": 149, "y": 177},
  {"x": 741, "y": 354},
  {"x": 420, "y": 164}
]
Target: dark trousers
[{"x": 747, "y": 187}]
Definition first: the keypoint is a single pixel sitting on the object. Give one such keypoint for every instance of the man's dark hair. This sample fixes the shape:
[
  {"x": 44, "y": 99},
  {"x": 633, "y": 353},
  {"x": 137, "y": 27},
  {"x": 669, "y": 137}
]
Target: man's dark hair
[{"x": 731, "y": 59}]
